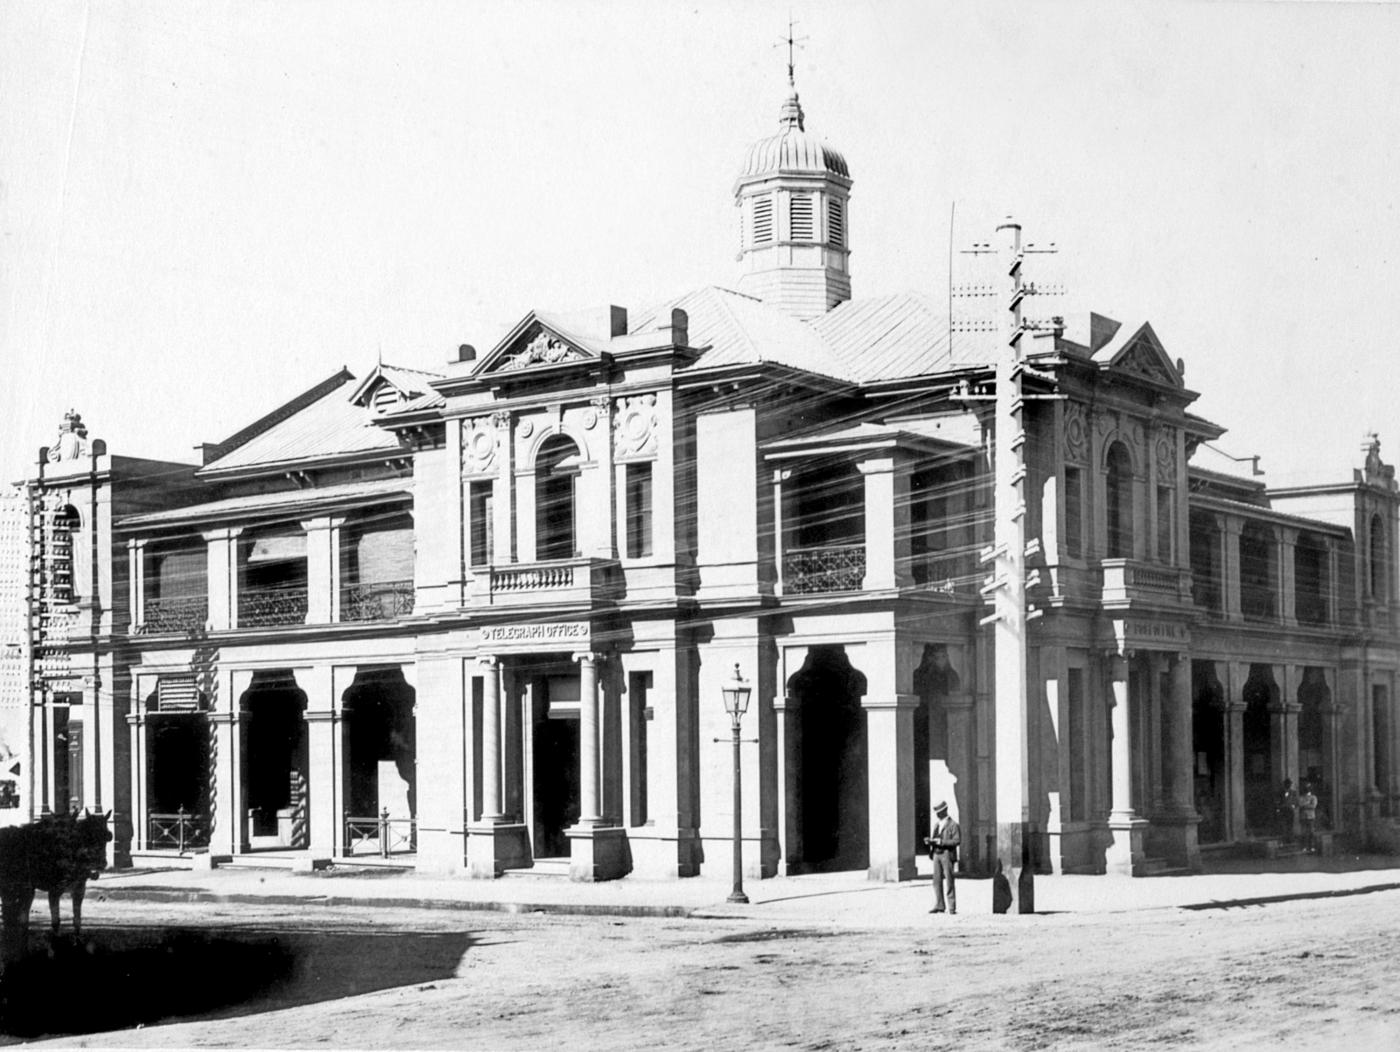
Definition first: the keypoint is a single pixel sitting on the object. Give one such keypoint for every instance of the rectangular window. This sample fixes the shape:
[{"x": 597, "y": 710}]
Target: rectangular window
[
  {"x": 1078, "y": 764},
  {"x": 481, "y": 506},
  {"x": 1165, "y": 519},
  {"x": 762, "y": 220},
  {"x": 639, "y": 715},
  {"x": 638, "y": 511},
  {"x": 835, "y": 222},
  {"x": 1074, "y": 512},
  {"x": 800, "y": 216}
]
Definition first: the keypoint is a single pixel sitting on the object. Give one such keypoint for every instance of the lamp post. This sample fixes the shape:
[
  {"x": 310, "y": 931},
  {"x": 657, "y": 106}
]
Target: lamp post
[{"x": 736, "y": 691}]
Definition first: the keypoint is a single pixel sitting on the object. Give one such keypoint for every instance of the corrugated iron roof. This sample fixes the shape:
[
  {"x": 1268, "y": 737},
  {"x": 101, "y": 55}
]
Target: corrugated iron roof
[
  {"x": 329, "y": 426},
  {"x": 231, "y": 507}
]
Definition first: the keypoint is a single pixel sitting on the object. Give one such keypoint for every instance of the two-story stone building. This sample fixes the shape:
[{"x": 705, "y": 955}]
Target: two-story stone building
[{"x": 481, "y": 619}]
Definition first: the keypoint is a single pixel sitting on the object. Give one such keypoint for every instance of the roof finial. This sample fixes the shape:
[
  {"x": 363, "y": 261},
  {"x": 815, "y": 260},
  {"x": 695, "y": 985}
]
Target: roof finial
[{"x": 791, "y": 114}]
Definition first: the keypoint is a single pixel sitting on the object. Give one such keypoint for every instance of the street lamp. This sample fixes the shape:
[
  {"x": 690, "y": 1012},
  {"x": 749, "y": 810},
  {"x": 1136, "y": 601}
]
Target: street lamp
[{"x": 736, "y": 691}]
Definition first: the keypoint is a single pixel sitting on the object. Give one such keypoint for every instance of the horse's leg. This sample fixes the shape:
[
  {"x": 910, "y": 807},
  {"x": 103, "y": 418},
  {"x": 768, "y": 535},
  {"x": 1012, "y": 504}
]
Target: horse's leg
[
  {"x": 9, "y": 913},
  {"x": 55, "y": 899},
  {"x": 77, "y": 892}
]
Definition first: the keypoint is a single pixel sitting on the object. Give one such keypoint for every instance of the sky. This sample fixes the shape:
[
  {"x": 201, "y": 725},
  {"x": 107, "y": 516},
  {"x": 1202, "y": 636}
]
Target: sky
[{"x": 208, "y": 208}]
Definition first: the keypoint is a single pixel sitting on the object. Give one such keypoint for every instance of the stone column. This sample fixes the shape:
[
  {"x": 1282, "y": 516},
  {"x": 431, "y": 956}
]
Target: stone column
[
  {"x": 1234, "y": 715},
  {"x": 327, "y": 773},
  {"x": 1125, "y": 854},
  {"x": 787, "y": 709},
  {"x": 886, "y": 524},
  {"x": 140, "y": 824},
  {"x": 596, "y": 851},
  {"x": 1180, "y": 818},
  {"x": 223, "y": 577},
  {"x": 961, "y": 709},
  {"x": 323, "y": 569},
  {"x": 598, "y": 514},
  {"x": 889, "y": 721},
  {"x": 228, "y": 816},
  {"x": 136, "y": 574},
  {"x": 495, "y": 843},
  {"x": 1230, "y": 569},
  {"x": 1287, "y": 542},
  {"x": 1283, "y": 725},
  {"x": 503, "y": 497},
  {"x": 781, "y": 516}
]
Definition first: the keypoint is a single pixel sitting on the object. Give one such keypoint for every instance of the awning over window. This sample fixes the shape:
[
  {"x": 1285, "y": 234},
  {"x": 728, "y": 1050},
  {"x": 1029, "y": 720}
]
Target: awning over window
[{"x": 277, "y": 548}]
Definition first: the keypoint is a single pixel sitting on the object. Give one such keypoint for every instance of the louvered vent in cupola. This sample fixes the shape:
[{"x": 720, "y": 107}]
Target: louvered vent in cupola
[
  {"x": 386, "y": 397},
  {"x": 762, "y": 220},
  {"x": 800, "y": 217},
  {"x": 835, "y": 222}
]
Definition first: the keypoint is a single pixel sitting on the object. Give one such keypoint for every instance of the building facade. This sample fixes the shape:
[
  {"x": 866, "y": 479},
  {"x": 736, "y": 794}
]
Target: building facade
[{"x": 480, "y": 619}]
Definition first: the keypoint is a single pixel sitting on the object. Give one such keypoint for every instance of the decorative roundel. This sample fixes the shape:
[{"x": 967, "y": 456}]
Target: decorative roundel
[
  {"x": 636, "y": 425},
  {"x": 482, "y": 444},
  {"x": 1076, "y": 432},
  {"x": 590, "y": 419},
  {"x": 527, "y": 428},
  {"x": 1166, "y": 458}
]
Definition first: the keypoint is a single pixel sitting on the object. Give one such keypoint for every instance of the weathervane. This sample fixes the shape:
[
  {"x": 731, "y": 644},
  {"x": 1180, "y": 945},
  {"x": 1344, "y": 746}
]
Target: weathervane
[{"x": 791, "y": 42}]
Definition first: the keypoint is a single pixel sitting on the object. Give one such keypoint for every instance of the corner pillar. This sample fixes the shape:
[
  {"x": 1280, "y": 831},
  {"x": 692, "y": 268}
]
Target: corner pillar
[
  {"x": 494, "y": 844},
  {"x": 1125, "y": 855},
  {"x": 597, "y": 851}
]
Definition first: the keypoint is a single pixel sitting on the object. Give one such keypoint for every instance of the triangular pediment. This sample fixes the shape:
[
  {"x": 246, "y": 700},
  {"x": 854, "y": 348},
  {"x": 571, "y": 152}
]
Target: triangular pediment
[
  {"x": 1142, "y": 355},
  {"x": 534, "y": 344}
]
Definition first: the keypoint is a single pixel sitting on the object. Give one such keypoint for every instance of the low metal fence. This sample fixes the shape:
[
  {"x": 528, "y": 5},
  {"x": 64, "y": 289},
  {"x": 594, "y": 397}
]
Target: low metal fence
[{"x": 389, "y": 836}]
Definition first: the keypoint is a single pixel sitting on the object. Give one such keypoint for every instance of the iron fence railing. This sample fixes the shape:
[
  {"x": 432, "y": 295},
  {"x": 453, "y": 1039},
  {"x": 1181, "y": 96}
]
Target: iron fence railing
[
  {"x": 376, "y": 601},
  {"x": 182, "y": 830},
  {"x": 174, "y": 614},
  {"x": 389, "y": 836},
  {"x": 833, "y": 568},
  {"x": 272, "y": 606}
]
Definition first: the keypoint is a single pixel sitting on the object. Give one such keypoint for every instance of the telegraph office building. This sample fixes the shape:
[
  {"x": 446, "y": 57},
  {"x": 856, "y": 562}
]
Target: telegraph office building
[{"x": 479, "y": 620}]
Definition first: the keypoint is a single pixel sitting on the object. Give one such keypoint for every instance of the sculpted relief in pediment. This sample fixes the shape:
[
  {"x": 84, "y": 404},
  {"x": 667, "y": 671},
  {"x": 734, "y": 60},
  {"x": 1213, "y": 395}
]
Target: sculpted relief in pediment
[{"x": 544, "y": 349}]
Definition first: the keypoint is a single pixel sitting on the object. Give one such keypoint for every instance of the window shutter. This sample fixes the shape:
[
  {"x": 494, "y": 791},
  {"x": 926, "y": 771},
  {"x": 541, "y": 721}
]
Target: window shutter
[
  {"x": 177, "y": 694},
  {"x": 800, "y": 214},
  {"x": 835, "y": 223},
  {"x": 762, "y": 220}
]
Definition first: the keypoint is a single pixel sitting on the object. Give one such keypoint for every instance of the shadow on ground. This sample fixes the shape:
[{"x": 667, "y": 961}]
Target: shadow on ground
[{"x": 119, "y": 978}]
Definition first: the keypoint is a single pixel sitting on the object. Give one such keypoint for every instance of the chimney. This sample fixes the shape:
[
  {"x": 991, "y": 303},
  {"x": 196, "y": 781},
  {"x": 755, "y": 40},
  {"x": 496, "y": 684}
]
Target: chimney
[
  {"x": 617, "y": 321},
  {"x": 466, "y": 353}
]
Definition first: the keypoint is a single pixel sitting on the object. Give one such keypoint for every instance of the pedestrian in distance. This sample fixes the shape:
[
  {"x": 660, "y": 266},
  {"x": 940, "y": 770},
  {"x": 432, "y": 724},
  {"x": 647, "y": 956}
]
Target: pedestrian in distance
[
  {"x": 1287, "y": 809},
  {"x": 1307, "y": 817},
  {"x": 943, "y": 849}
]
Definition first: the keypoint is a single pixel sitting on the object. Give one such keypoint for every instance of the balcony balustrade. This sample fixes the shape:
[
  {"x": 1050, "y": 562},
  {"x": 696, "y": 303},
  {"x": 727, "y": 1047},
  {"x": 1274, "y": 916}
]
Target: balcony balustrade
[
  {"x": 260, "y": 607},
  {"x": 1124, "y": 579},
  {"x": 942, "y": 573},
  {"x": 555, "y": 581},
  {"x": 376, "y": 601},
  {"x": 185, "y": 613},
  {"x": 831, "y": 568}
]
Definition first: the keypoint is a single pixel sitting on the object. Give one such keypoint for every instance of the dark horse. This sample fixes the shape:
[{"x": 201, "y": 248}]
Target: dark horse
[{"x": 57, "y": 853}]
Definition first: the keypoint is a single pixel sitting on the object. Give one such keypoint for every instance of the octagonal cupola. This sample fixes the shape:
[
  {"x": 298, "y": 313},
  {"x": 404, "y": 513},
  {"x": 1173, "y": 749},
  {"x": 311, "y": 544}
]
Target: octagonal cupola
[{"x": 792, "y": 195}]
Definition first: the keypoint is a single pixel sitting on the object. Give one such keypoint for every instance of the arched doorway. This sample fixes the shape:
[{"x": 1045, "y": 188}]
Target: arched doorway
[
  {"x": 934, "y": 775},
  {"x": 276, "y": 761},
  {"x": 381, "y": 761},
  {"x": 1260, "y": 790},
  {"x": 833, "y": 779},
  {"x": 1208, "y": 748},
  {"x": 557, "y": 468},
  {"x": 1315, "y": 699}
]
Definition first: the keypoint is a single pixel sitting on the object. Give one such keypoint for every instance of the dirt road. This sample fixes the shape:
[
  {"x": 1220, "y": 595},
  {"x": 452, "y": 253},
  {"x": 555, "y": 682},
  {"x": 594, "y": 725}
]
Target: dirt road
[{"x": 1302, "y": 975}]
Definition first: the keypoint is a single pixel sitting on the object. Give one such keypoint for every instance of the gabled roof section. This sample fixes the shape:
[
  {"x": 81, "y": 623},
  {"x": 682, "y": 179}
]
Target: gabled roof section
[
  {"x": 389, "y": 386},
  {"x": 215, "y": 450},
  {"x": 304, "y": 432},
  {"x": 730, "y": 328},
  {"x": 898, "y": 336},
  {"x": 1137, "y": 351},
  {"x": 537, "y": 341}
]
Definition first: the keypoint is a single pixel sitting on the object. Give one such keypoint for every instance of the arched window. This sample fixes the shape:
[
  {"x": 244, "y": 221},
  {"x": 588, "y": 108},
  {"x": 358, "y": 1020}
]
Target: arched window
[
  {"x": 556, "y": 477},
  {"x": 1376, "y": 553},
  {"x": 1120, "y": 502}
]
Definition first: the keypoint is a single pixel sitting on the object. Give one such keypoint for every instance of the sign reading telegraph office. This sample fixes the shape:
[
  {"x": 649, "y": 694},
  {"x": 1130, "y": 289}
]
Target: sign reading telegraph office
[{"x": 533, "y": 635}]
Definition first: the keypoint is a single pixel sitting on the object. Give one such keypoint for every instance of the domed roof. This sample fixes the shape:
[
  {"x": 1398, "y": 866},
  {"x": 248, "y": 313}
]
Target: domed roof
[{"x": 792, "y": 149}]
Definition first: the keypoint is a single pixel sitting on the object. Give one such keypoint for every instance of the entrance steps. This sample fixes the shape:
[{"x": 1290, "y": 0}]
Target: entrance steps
[
  {"x": 1161, "y": 867},
  {"x": 543, "y": 867}
]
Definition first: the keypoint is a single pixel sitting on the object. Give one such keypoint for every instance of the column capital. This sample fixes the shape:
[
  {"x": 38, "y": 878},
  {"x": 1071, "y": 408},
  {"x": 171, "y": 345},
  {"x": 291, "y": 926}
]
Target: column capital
[
  {"x": 587, "y": 657},
  {"x": 224, "y": 533},
  {"x": 136, "y": 544},
  {"x": 323, "y": 522},
  {"x": 782, "y": 474},
  {"x": 488, "y": 661},
  {"x": 880, "y": 465}
]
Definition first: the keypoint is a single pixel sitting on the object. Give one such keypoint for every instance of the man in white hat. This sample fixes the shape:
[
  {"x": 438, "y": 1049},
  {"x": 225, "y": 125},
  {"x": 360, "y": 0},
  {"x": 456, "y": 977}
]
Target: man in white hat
[{"x": 943, "y": 849}]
